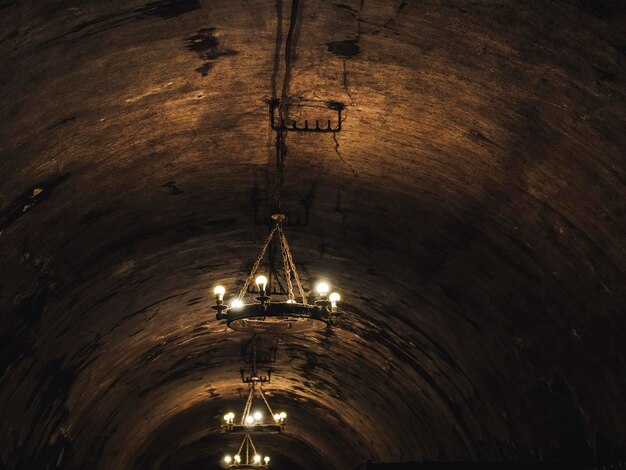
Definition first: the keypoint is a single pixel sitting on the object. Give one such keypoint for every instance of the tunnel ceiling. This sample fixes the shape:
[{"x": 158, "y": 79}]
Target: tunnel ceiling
[{"x": 470, "y": 211}]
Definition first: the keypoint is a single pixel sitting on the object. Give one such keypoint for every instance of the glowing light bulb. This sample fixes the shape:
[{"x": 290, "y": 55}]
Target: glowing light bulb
[
  {"x": 228, "y": 459},
  {"x": 237, "y": 458},
  {"x": 249, "y": 420},
  {"x": 219, "y": 292},
  {"x": 291, "y": 301},
  {"x": 227, "y": 417},
  {"x": 261, "y": 282},
  {"x": 236, "y": 303},
  {"x": 322, "y": 289},
  {"x": 258, "y": 416},
  {"x": 334, "y": 297},
  {"x": 283, "y": 415},
  {"x": 266, "y": 459},
  {"x": 277, "y": 417},
  {"x": 257, "y": 458}
]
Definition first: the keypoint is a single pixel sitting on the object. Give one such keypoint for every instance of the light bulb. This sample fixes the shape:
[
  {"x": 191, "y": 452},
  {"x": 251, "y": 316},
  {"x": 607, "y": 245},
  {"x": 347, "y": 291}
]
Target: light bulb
[
  {"x": 267, "y": 460},
  {"x": 219, "y": 292},
  {"x": 257, "y": 458},
  {"x": 249, "y": 420},
  {"x": 261, "y": 282},
  {"x": 334, "y": 297},
  {"x": 237, "y": 458},
  {"x": 283, "y": 415},
  {"x": 228, "y": 459},
  {"x": 291, "y": 301},
  {"x": 236, "y": 303},
  {"x": 277, "y": 417},
  {"x": 227, "y": 417},
  {"x": 258, "y": 415},
  {"x": 322, "y": 289}
]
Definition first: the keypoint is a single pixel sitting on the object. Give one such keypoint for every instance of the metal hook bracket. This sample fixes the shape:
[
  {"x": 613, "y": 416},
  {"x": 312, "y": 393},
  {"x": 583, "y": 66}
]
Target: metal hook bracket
[{"x": 280, "y": 124}]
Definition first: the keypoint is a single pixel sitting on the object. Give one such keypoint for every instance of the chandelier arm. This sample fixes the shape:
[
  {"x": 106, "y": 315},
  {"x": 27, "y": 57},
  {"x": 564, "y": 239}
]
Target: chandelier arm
[
  {"x": 255, "y": 266},
  {"x": 284, "y": 249},
  {"x": 269, "y": 408},
  {"x": 293, "y": 267}
]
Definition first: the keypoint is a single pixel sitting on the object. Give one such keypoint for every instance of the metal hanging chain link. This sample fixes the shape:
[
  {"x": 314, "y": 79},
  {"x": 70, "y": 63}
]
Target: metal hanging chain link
[
  {"x": 251, "y": 444},
  {"x": 269, "y": 408},
  {"x": 246, "y": 408},
  {"x": 255, "y": 266},
  {"x": 289, "y": 265},
  {"x": 241, "y": 446},
  {"x": 284, "y": 250},
  {"x": 283, "y": 238}
]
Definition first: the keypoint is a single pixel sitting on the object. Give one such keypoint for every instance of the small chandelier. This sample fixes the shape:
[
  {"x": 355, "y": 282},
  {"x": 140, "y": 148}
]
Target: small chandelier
[
  {"x": 254, "y": 421},
  {"x": 287, "y": 315},
  {"x": 252, "y": 458}
]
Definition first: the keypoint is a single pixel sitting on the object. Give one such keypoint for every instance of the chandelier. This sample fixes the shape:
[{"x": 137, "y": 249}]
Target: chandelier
[
  {"x": 287, "y": 314},
  {"x": 254, "y": 421},
  {"x": 252, "y": 458}
]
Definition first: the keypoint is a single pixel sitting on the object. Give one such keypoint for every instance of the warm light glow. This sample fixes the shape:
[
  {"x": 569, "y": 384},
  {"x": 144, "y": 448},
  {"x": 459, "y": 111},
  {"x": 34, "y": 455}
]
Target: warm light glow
[
  {"x": 334, "y": 297},
  {"x": 291, "y": 301},
  {"x": 258, "y": 415},
  {"x": 261, "y": 282},
  {"x": 277, "y": 417},
  {"x": 229, "y": 416},
  {"x": 228, "y": 459},
  {"x": 236, "y": 303},
  {"x": 257, "y": 458},
  {"x": 322, "y": 288},
  {"x": 237, "y": 459},
  {"x": 283, "y": 415},
  {"x": 267, "y": 460},
  {"x": 219, "y": 292},
  {"x": 249, "y": 420}
]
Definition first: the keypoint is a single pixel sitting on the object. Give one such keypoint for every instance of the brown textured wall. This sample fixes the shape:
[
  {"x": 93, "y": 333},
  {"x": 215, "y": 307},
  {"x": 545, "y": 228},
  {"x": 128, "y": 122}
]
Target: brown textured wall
[{"x": 471, "y": 212}]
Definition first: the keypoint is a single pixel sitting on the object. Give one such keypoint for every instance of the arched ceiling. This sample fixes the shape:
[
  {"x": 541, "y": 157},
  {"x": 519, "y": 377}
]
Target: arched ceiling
[{"x": 470, "y": 211}]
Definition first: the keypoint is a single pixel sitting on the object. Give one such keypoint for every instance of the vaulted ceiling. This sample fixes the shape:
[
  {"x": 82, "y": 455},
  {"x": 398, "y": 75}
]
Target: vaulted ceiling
[{"x": 471, "y": 211}]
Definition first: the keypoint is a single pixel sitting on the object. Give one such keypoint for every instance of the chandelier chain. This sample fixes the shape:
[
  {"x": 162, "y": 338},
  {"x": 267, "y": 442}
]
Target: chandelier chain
[
  {"x": 286, "y": 264},
  {"x": 241, "y": 446},
  {"x": 246, "y": 409},
  {"x": 251, "y": 442},
  {"x": 269, "y": 408},
  {"x": 293, "y": 265},
  {"x": 255, "y": 266}
]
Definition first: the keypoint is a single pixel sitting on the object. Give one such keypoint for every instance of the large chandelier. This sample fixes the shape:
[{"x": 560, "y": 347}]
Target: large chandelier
[
  {"x": 251, "y": 458},
  {"x": 285, "y": 315}
]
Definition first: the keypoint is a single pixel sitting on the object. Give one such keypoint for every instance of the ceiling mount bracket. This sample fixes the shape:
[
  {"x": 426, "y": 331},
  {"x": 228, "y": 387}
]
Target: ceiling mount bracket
[{"x": 281, "y": 124}]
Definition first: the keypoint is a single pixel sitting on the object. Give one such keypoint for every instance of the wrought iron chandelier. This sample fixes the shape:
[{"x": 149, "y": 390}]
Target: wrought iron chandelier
[
  {"x": 286, "y": 315},
  {"x": 254, "y": 421},
  {"x": 252, "y": 459}
]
